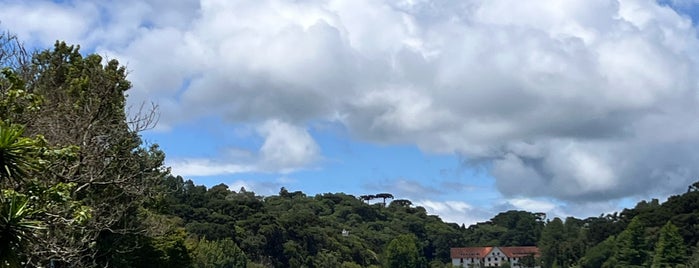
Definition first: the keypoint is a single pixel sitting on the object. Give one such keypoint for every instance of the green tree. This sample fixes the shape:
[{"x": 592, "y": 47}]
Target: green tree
[
  {"x": 16, "y": 227},
  {"x": 693, "y": 260},
  {"x": 350, "y": 265},
  {"x": 218, "y": 254},
  {"x": 631, "y": 245},
  {"x": 162, "y": 251},
  {"x": 84, "y": 104},
  {"x": 96, "y": 178},
  {"x": 326, "y": 259},
  {"x": 596, "y": 256},
  {"x": 528, "y": 261},
  {"x": 23, "y": 201},
  {"x": 523, "y": 228},
  {"x": 670, "y": 249},
  {"x": 402, "y": 252},
  {"x": 550, "y": 244},
  {"x": 384, "y": 196}
]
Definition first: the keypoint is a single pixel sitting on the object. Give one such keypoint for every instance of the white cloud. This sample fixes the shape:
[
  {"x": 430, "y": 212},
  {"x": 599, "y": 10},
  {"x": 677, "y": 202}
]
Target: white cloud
[
  {"x": 532, "y": 205},
  {"x": 207, "y": 167},
  {"x": 286, "y": 148},
  {"x": 455, "y": 211},
  {"x": 576, "y": 100},
  {"x": 44, "y": 22}
]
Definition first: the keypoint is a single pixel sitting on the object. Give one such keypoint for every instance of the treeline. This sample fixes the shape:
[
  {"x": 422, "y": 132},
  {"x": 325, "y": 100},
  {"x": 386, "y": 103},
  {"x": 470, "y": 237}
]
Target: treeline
[
  {"x": 78, "y": 188},
  {"x": 649, "y": 235},
  {"x": 295, "y": 230}
]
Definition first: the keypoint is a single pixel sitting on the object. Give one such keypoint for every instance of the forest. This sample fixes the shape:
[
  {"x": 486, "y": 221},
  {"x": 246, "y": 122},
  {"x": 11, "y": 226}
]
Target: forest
[{"x": 80, "y": 188}]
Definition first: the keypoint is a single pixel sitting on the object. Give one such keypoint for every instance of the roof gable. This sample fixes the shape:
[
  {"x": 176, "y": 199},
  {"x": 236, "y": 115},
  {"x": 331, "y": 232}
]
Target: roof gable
[
  {"x": 481, "y": 252},
  {"x": 470, "y": 252}
]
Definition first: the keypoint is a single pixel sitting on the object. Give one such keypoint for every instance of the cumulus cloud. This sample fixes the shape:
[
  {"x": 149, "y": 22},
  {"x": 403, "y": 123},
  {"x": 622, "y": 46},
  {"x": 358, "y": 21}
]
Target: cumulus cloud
[
  {"x": 44, "y": 22},
  {"x": 286, "y": 148},
  {"x": 576, "y": 100},
  {"x": 455, "y": 211},
  {"x": 533, "y": 205}
]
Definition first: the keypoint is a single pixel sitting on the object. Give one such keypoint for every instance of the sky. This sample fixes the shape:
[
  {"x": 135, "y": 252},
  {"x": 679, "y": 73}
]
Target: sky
[{"x": 465, "y": 107}]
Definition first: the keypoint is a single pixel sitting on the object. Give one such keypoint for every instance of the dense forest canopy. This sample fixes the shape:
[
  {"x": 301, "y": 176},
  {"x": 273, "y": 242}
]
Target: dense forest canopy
[{"x": 79, "y": 188}]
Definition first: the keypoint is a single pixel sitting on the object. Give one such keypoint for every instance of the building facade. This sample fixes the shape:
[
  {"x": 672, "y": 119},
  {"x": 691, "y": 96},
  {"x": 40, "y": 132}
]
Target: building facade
[{"x": 494, "y": 256}]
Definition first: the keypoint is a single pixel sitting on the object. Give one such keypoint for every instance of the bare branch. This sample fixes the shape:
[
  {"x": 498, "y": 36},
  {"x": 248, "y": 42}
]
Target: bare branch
[
  {"x": 145, "y": 118},
  {"x": 12, "y": 52}
]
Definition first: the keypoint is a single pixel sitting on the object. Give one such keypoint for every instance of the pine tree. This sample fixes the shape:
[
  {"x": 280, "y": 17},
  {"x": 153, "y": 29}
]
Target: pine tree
[
  {"x": 670, "y": 249},
  {"x": 631, "y": 250}
]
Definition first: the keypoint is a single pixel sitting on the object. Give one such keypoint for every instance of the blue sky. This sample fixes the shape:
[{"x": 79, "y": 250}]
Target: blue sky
[{"x": 466, "y": 107}]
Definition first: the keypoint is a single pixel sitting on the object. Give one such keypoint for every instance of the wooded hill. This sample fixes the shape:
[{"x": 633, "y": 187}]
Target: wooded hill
[
  {"x": 80, "y": 189},
  {"x": 295, "y": 230}
]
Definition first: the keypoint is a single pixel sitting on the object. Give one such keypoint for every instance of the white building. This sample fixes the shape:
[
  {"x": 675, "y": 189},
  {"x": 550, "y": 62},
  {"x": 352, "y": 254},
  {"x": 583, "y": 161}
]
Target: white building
[{"x": 491, "y": 256}]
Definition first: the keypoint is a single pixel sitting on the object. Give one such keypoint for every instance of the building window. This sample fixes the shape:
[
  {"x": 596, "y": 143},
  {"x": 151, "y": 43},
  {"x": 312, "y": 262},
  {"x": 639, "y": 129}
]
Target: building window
[
  {"x": 462, "y": 260},
  {"x": 488, "y": 258}
]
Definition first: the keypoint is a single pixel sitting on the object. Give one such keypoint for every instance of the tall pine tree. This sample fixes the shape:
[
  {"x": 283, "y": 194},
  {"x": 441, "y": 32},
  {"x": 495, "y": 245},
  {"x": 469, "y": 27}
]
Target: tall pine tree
[
  {"x": 631, "y": 250},
  {"x": 670, "y": 249}
]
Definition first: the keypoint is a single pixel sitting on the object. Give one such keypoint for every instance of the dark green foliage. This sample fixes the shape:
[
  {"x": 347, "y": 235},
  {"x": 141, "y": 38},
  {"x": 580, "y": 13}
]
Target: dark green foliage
[
  {"x": 16, "y": 227},
  {"x": 599, "y": 254},
  {"x": 402, "y": 252},
  {"x": 18, "y": 155},
  {"x": 631, "y": 248},
  {"x": 78, "y": 161},
  {"x": 528, "y": 261},
  {"x": 562, "y": 244},
  {"x": 293, "y": 229},
  {"x": 523, "y": 228},
  {"x": 670, "y": 249},
  {"x": 222, "y": 253},
  {"x": 162, "y": 251},
  {"x": 694, "y": 258},
  {"x": 24, "y": 201},
  {"x": 602, "y": 227},
  {"x": 551, "y": 243},
  {"x": 511, "y": 228}
]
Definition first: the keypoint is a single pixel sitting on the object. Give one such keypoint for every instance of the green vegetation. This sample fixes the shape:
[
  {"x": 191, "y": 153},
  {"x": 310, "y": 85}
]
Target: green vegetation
[
  {"x": 402, "y": 252},
  {"x": 670, "y": 250},
  {"x": 78, "y": 188}
]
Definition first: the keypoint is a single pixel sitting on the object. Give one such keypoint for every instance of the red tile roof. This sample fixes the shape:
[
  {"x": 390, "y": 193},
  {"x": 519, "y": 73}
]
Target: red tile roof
[
  {"x": 517, "y": 252},
  {"x": 480, "y": 252},
  {"x": 470, "y": 252}
]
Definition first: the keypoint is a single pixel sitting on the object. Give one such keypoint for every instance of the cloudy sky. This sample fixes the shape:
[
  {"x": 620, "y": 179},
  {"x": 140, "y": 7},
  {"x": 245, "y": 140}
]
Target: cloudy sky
[{"x": 465, "y": 107}]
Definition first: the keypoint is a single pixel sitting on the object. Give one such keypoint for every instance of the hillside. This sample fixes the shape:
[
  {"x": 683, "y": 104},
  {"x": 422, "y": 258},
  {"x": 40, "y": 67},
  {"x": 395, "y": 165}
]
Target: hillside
[{"x": 294, "y": 230}]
